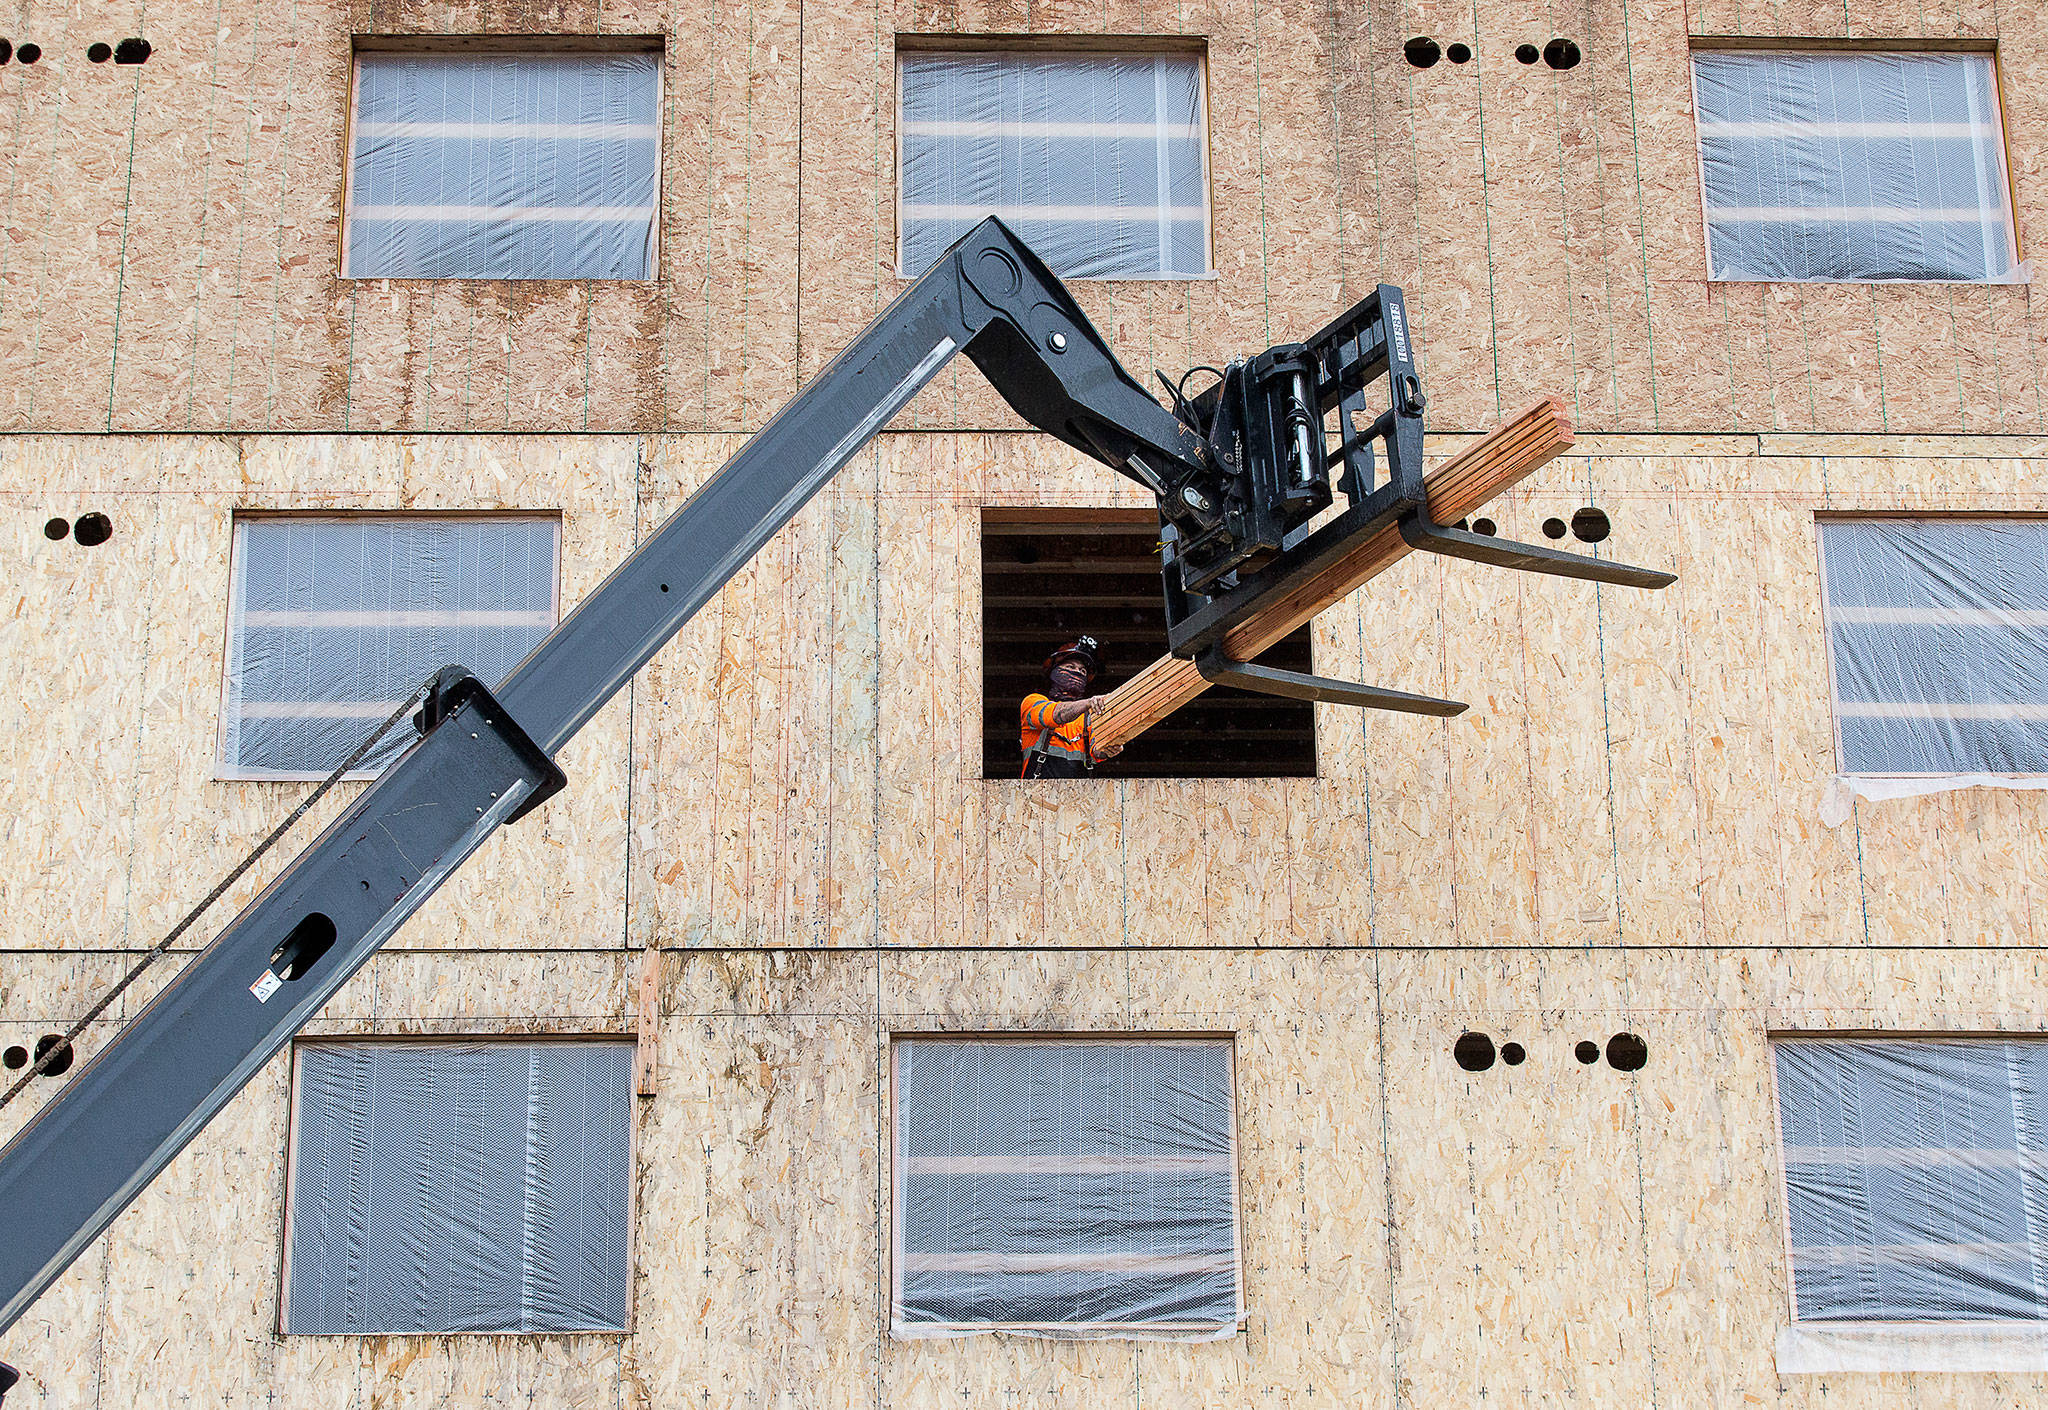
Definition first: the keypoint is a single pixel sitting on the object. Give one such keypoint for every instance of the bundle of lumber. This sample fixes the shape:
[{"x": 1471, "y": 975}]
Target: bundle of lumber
[{"x": 1493, "y": 463}]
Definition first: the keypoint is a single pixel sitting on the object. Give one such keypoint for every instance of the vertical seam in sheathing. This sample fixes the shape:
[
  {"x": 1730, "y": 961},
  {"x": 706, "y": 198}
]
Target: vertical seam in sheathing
[
  {"x": 205, "y": 195},
  {"x": 1884, "y": 415},
  {"x": 284, "y": 147},
  {"x": 632, "y": 704},
  {"x": 1564, "y": 229},
  {"x": 1692, "y": 771},
  {"x": 1642, "y": 226},
  {"x": 1486, "y": 219},
  {"x": 348, "y": 385},
  {"x": 1259, "y": 126},
  {"x": 1621, "y": 944},
  {"x": 881, "y": 1038},
  {"x": 14, "y": 171},
  {"x": 283, "y": 177},
  {"x": 671, "y": 208},
  {"x": 1862, "y": 878},
  {"x": 1806, "y": 348},
  {"x": 127, "y": 219},
  {"x": 710, "y": 194},
  {"x": 43, "y": 279},
  {"x": 1372, "y": 103},
  {"x": 427, "y": 375},
  {"x": 511, "y": 312},
  {"x": 1418, "y": 302},
  {"x": 586, "y": 355},
  {"x": 1334, "y": 42},
  {"x": 1955, "y": 342},
  {"x": 249, "y": 125},
  {"x": 1379, "y": 1009},
  {"x": 1606, "y": 236},
  {"x": 1770, "y": 375},
  {"x": 1529, "y": 767},
  {"x": 469, "y": 359},
  {"x": 746, "y": 281},
  {"x": 1728, "y": 338}
]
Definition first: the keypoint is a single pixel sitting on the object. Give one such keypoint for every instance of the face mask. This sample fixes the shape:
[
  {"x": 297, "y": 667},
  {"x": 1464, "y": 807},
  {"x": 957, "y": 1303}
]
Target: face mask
[{"x": 1068, "y": 683}]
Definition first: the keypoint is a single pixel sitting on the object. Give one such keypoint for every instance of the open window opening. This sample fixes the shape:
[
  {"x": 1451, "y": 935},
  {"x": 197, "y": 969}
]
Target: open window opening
[{"x": 1049, "y": 576}]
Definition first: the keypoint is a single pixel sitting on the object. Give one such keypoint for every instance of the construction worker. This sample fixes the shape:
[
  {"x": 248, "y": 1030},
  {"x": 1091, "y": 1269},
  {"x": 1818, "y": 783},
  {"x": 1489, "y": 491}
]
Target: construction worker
[{"x": 1055, "y": 722}]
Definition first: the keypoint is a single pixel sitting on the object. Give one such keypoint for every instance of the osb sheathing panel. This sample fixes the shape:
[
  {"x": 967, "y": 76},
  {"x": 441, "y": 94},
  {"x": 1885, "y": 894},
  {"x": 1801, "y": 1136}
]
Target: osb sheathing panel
[
  {"x": 1411, "y": 1233},
  {"x": 142, "y": 717}
]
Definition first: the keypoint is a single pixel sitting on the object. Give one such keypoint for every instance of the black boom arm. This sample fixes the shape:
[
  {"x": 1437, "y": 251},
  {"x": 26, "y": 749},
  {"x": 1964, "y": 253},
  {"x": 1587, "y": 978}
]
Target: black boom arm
[{"x": 127, "y": 1112}]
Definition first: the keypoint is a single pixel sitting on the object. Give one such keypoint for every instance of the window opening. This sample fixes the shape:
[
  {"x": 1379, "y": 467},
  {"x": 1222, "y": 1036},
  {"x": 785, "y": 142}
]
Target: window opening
[
  {"x": 333, "y": 620},
  {"x": 525, "y": 165},
  {"x": 1051, "y": 578},
  {"x": 1084, "y": 1186},
  {"x": 1913, "y": 1185},
  {"x": 459, "y": 1187},
  {"x": 1098, "y": 161},
  {"x": 1938, "y": 644},
  {"x": 1853, "y": 166}
]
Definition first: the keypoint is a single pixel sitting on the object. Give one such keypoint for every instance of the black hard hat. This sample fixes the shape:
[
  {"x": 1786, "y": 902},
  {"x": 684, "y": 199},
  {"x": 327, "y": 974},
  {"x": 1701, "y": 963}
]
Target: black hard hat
[{"x": 1083, "y": 649}]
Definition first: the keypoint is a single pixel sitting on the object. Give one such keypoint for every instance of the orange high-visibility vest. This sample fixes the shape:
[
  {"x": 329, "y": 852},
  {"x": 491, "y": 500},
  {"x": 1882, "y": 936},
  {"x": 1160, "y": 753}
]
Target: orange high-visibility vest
[{"x": 1041, "y": 736}]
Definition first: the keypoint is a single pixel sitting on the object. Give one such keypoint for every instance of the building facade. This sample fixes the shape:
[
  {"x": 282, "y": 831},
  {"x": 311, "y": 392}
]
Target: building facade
[{"x": 778, "y": 860}]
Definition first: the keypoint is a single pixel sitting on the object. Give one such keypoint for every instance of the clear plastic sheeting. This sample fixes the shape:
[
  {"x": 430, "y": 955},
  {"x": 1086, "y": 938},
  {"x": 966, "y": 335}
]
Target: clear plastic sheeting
[
  {"x": 1853, "y": 166},
  {"x": 335, "y": 620},
  {"x": 1830, "y": 1348},
  {"x": 504, "y": 166},
  {"x": 1938, "y": 647},
  {"x": 1098, "y": 161},
  {"x": 1916, "y": 1178},
  {"x": 459, "y": 1187},
  {"x": 1065, "y": 1188}
]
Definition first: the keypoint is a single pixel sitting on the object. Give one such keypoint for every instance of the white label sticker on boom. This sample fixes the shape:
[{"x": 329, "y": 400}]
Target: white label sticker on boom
[{"x": 266, "y": 986}]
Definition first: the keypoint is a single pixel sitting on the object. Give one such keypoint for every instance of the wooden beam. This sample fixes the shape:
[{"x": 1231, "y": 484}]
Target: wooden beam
[{"x": 1493, "y": 463}]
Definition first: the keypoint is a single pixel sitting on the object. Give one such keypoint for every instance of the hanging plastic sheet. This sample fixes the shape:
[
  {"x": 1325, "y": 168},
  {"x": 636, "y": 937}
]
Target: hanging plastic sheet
[
  {"x": 1065, "y": 1188},
  {"x": 1916, "y": 1192},
  {"x": 1098, "y": 161},
  {"x": 1847, "y": 166},
  {"x": 335, "y": 620},
  {"x": 460, "y": 1187},
  {"x": 504, "y": 166},
  {"x": 1938, "y": 644}
]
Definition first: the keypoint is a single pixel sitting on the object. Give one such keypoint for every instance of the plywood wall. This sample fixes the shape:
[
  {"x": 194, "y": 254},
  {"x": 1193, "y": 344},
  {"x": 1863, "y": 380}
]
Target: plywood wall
[
  {"x": 172, "y": 228},
  {"x": 1621, "y": 835}
]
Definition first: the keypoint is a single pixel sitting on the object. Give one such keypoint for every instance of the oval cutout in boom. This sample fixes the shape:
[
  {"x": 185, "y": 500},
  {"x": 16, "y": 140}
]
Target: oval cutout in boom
[{"x": 301, "y": 950}]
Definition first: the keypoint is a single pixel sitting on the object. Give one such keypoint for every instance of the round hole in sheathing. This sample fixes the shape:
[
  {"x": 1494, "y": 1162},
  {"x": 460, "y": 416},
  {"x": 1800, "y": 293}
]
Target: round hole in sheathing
[
  {"x": 6, "y": 50},
  {"x": 61, "y": 1063},
  {"x": 17, "y": 1056},
  {"x": 1587, "y": 1051},
  {"x": 1553, "y": 528},
  {"x": 99, "y": 53},
  {"x": 1484, "y": 526},
  {"x": 93, "y": 529},
  {"x": 1527, "y": 53},
  {"x": 1422, "y": 51},
  {"x": 1627, "y": 1053},
  {"x": 1474, "y": 1051},
  {"x": 1561, "y": 54},
  {"x": 1512, "y": 1054},
  {"x": 54, "y": 529},
  {"x": 29, "y": 53},
  {"x": 132, "y": 51},
  {"x": 1590, "y": 524},
  {"x": 1459, "y": 53},
  {"x": 1462, "y": 524}
]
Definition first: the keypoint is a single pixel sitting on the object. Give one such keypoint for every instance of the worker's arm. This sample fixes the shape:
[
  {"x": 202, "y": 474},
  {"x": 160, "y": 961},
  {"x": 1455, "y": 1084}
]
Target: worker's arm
[{"x": 1043, "y": 712}]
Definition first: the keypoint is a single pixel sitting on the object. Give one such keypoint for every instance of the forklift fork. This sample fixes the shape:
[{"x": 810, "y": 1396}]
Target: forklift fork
[{"x": 1266, "y": 420}]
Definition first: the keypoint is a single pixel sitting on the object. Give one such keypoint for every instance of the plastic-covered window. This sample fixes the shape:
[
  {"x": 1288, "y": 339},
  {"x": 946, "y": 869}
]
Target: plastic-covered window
[
  {"x": 1081, "y": 1187},
  {"x": 504, "y": 166},
  {"x": 1853, "y": 167},
  {"x": 1098, "y": 161},
  {"x": 1916, "y": 1177},
  {"x": 1938, "y": 640},
  {"x": 459, "y": 1187},
  {"x": 335, "y": 620}
]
